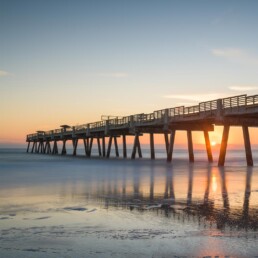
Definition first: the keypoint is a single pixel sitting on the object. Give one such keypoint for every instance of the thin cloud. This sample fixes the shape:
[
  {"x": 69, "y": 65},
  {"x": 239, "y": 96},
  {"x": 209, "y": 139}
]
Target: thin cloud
[
  {"x": 195, "y": 97},
  {"x": 243, "y": 88},
  {"x": 185, "y": 103},
  {"x": 235, "y": 54},
  {"x": 4, "y": 73},
  {"x": 114, "y": 75},
  {"x": 228, "y": 52}
]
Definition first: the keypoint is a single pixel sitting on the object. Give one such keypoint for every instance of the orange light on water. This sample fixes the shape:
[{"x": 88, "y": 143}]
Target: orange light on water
[{"x": 214, "y": 183}]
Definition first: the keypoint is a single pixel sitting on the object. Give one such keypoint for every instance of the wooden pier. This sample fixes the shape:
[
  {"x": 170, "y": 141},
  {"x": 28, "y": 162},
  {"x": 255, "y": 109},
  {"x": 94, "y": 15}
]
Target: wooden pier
[{"x": 239, "y": 110}]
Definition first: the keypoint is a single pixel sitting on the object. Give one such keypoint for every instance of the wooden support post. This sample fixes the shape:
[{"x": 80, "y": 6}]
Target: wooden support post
[
  {"x": 152, "y": 150},
  {"x": 33, "y": 146},
  {"x": 28, "y": 147},
  {"x": 208, "y": 146},
  {"x": 38, "y": 146},
  {"x": 55, "y": 148},
  {"x": 124, "y": 146},
  {"x": 103, "y": 147},
  {"x": 99, "y": 147},
  {"x": 109, "y": 146},
  {"x": 85, "y": 146},
  {"x": 139, "y": 147},
  {"x": 42, "y": 147},
  {"x": 90, "y": 146},
  {"x": 166, "y": 142},
  {"x": 116, "y": 146},
  {"x": 171, "y": 145},
  {"x": 190, "y": 146},
  {"x": 248, "y": 150},
  {"x": 75, "y": 143},
  {"x": 48, "y": 148},
  {"x": 45, "y": 147},
  {"x": 64, "y": 148},
  {"x": 134, "y": 146},
  {"x": 223, "y": 146}
]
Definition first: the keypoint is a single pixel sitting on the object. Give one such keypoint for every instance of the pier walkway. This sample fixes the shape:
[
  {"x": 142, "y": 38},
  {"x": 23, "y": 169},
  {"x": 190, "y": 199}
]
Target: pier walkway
[{"x": 239, "y": 110}]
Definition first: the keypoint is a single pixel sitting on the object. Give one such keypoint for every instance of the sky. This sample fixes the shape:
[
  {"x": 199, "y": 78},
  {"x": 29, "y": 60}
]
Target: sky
[{"x": 69, "y": 62}]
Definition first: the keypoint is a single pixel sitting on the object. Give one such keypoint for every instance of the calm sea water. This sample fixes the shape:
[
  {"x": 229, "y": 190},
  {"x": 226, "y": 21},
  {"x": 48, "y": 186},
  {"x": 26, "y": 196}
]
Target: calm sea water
[{"x": 55, "y": 206}]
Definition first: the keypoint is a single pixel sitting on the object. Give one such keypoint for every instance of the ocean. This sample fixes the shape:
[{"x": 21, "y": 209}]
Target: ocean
[{"x": 65, "y": 206}]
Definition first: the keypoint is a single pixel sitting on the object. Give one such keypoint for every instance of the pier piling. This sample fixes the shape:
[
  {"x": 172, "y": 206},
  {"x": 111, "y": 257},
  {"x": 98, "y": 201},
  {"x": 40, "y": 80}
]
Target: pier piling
[
  {"x": 152, "y": 150},
  {"x": 171, "y": 145},
  {"x": 109, "y": 146},
  {"x": 103, "y": 147},
  {"x": 208, "y": 146},
  {"x": 64, "y": 148},
  {"x": 116, "y": 146},
  {"x": 223, "y": 146},
  {"x": 124, "y": 146},
  {"x": 190, "y": 145},
  {"x": 248, "y": 151}
]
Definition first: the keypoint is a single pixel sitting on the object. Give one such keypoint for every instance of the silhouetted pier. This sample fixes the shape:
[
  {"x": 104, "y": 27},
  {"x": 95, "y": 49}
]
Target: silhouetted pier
[{"x": 239, "y": 110}]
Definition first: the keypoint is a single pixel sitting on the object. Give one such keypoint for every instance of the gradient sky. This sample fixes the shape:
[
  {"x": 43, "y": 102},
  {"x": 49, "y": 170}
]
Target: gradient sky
[{"x": 69, "y": 62}]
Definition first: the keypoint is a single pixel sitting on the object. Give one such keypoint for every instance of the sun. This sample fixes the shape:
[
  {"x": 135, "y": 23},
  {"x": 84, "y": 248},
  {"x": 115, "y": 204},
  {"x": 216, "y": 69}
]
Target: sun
[{"x": 213, "y": 143}]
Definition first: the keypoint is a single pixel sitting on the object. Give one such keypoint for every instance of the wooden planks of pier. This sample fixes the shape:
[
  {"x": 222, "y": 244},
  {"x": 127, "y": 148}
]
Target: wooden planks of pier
[{"x": 239, "y": 110}]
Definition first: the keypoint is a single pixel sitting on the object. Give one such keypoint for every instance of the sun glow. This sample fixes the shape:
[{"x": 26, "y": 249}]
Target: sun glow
[{"x": 213, "y": 143}]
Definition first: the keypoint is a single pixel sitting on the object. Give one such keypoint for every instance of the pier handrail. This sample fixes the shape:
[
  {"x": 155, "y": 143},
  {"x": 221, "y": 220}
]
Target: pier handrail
[
  {"x": 176, "y": 111},
  {"x": 208, "y": 106},
  {"x": 235, "y": 101},
  {"x": 252, "y": 100},
  {"x": 191, "y": 110}
]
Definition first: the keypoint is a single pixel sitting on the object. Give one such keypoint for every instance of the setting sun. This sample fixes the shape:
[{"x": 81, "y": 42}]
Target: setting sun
[{"x": 213, "y": 143}]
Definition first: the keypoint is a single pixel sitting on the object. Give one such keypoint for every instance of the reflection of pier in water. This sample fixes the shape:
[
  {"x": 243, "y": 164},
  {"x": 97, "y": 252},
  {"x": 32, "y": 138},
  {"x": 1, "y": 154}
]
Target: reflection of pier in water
[{"x": 199, "y": 209}]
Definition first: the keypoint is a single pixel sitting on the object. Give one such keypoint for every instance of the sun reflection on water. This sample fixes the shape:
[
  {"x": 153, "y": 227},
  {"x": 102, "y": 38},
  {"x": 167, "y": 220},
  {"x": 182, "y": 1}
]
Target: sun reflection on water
[{"x": 214, "y": 184}]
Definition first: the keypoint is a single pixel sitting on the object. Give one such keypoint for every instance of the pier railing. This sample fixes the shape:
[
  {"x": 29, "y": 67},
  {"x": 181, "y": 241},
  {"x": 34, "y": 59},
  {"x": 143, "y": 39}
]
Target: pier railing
[
  {"x": 233, "y": 102},
  {"x": 230, "y": 105},
  {"x": 252, "y": 100}
]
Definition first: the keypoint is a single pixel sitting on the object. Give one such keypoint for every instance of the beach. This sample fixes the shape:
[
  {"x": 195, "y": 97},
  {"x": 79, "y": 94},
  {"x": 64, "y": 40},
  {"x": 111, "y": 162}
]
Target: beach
[{"x": 56, "y": 206}]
